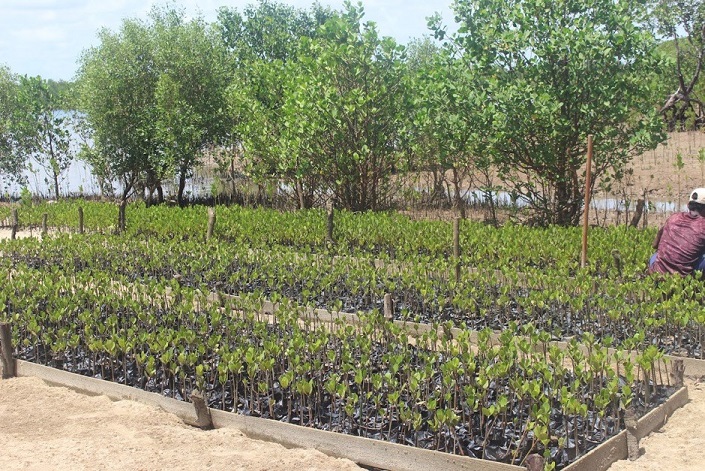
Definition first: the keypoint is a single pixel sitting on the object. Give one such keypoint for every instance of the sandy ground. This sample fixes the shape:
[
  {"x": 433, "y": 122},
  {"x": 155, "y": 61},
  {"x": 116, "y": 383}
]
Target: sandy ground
[
  {"x": 680, "y": 444},
  {"x": 54, "y": 428}
]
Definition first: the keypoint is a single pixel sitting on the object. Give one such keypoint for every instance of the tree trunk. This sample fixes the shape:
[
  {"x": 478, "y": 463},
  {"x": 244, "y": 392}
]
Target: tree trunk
[
  {"x": 300, "y": 192},
  {"x": 182, "y": 185},
  {"x": 160, "y": 194},
  {"x": 567, "y": 201},
  {"x": 56, "y": 186},
  {"x": 638, "y": 213},
  {"x": 121, "y": 216},
  {"x": 457, "y": 198}
]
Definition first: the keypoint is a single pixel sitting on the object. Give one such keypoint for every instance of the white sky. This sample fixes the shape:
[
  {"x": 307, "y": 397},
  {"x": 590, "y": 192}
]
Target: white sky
[{"x": 46, "y": 37}]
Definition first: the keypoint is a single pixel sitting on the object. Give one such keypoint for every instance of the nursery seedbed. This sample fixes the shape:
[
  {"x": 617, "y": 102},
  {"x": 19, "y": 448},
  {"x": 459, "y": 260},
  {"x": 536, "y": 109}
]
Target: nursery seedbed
[
  {"x": 411, "y": 303},
  {"x": 693, "y": 366},
  {"x": 364, "y": 451},
  {"x": 77, "y": 360}
]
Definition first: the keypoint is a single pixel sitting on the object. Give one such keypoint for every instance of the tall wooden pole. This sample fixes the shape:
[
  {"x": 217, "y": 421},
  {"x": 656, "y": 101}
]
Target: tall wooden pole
[
  {"x": 80, "y": 220},
  {"x": 456, "y": 248},
  {"x": 211, "y": 223},
  {"x": 588, "y": 175}
]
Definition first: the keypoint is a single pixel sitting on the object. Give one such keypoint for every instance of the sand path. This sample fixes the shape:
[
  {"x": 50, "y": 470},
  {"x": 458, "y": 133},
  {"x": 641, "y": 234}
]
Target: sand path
[
  {"x": 54, "y": 428},
  {"x": 680, "y": 444}
]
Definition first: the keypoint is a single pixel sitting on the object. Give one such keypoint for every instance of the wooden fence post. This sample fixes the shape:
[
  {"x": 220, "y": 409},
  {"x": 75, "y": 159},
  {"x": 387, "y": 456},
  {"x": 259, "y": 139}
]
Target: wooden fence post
[
  {"x": 588, "y": 175},
  {"x": 456, "y": 248},
  {"x": 8, "y": 362},
  {"x": 203, "y": 414},
  {"x": 632, "y": 440},
  {"x": 122, "y": 223},
  {"x": 45, "y": 229},
  {"x": 211, "y": 223},
  {"x": 388, "y": 306},
  {"x": 330, "y": 212},
  {"x": 80, "y": 220},
  {"x": 15, "y": 224},
  {"x": 677, "y": 372}
]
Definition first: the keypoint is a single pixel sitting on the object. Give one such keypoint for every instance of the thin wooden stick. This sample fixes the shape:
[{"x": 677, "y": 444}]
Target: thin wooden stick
[
  {"x": 456, "y": 248},
  {"x": 211, "y": 223},
  {"x": 588, "y": 174},
  {"x": 80, "y": 220}
]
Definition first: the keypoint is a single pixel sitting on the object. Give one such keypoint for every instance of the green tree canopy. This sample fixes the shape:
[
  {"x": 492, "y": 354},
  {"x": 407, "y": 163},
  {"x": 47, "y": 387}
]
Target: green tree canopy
[
  {"x": 153, "y": 96},
  {"x": 117, "y": 82},
  {"x": 43, "y": 128},
  {"x": 452, "y": 116},
  {"x": 11, "y": 162},
  {"x": 190, "y": 92},
  {"x": 269, "y": 31},
  {"x": 345, "y": 111},
  {"x": 264, "y": 42},
  {"x": 556, "y": 71}
]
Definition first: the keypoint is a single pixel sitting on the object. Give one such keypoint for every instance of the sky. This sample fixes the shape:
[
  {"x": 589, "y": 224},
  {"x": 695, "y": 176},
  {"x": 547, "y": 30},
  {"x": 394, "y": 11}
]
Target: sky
[{"x": 46, "y": 37}]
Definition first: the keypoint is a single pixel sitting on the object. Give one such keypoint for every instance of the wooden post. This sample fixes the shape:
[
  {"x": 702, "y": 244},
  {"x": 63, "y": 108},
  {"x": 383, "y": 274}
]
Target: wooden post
[
  {"x": 677, "y": 372},
  {"x": 8, "y": 362},
  {"x": 617, "y": 257},
  {"x": 534, "y": 462},
  {"x": 588, "y": 175},
  {"x": 388, "y": 306},
  {"x": 45, "y": 229},
  {"x": 330, "y": 212},
  {"x": 211, "y": 223},
  {"x": 203, "y": 414},
  {"x": 632, "y": 439},
  {"x": 15, "y": 224},
  {"x": 80, "y": 220},
  {"x": 122, "y": 223},
  {"x": 456, "y": 248}
]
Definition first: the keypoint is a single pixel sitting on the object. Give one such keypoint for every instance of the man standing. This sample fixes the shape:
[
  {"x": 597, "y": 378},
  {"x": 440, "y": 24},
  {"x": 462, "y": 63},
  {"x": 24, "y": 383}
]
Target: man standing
[{"x": 680, "y": 243}]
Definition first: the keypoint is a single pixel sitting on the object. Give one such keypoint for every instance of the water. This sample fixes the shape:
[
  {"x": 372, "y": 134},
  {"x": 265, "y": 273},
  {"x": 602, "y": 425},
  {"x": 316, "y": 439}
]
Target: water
[
  {"x": 504, "y": 198},
  {"x": 79, "y": 180}
]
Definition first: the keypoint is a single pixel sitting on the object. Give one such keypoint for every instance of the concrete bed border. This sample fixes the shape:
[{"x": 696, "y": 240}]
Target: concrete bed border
[{"x": 364, "y": 451}]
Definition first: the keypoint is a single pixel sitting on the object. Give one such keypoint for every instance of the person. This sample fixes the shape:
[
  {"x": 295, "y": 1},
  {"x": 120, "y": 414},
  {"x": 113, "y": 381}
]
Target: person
[{"x": 680, "y": 243}]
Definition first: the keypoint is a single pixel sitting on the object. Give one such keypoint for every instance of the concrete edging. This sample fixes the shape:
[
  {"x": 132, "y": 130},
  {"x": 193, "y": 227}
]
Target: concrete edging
[{"x": 376, "y": 453}]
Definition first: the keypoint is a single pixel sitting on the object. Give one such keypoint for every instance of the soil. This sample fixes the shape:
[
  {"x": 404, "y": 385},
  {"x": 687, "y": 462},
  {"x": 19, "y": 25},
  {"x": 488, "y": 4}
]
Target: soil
[{"x": 678, "y": 445}]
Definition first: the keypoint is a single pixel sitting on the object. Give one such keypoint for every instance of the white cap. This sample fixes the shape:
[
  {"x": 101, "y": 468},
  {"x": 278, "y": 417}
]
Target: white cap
[{"x": 698, "y": 195}]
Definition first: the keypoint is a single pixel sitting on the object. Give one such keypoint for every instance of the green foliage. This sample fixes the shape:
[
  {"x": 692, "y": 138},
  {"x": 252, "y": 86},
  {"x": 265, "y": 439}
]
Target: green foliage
[
  {"x": 452, "y": 117},
  {"x": 680, "y": 25},
  {"x": 556, "y": 72},
  {"x": 152, "y": 95},
  {"x": 11, "y": 160},
  {"x": 44, "y": 128},
  {"x": 117, "y": 82},
  {"x": 263, "y": 40},
  {"x": 345, "y": 112},
  {"x": 25, "y": 197},
  {"x": 485, "y": 381},
  {"x": 269, "y": 31},
  {"x": 189, "y": 92}
]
